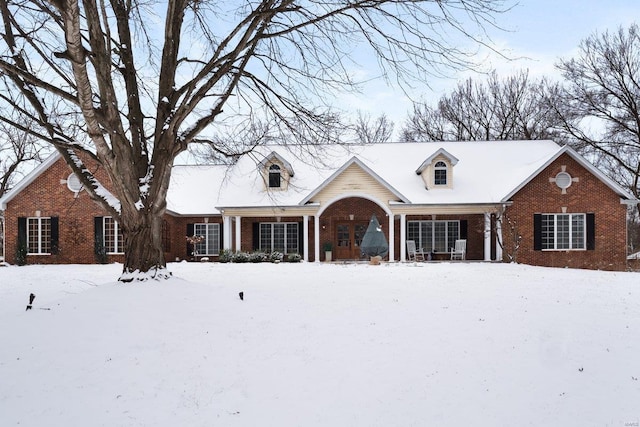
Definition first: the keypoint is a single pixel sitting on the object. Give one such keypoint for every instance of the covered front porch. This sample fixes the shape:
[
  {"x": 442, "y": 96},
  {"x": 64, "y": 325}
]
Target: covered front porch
[{"x": 341, "y": 224}]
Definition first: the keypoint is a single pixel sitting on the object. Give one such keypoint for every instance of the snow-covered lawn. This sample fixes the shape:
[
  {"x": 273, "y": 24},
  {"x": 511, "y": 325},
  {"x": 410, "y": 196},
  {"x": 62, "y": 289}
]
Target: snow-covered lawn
[{"x": 447, "y": 344}]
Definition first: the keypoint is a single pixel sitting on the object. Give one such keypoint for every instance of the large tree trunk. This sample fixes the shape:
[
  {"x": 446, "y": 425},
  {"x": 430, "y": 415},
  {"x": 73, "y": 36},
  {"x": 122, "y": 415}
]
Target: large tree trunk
[{"x": 144, "y": 254}]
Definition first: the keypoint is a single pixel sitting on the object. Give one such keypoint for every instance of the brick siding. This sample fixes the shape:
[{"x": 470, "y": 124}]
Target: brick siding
[{"x": 585, "y": 196}]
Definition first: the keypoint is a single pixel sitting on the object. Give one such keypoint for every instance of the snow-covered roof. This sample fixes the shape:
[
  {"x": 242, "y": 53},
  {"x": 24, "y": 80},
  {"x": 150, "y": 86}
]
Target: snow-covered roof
[{"x": 485, "y": 173}]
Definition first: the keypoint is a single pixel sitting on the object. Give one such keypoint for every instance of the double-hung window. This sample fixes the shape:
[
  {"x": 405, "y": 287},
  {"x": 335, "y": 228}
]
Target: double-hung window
[
  {"x": 563, "y": 231},
  {"x": 279, "y": 236},
  {"x": 112, "y": 235},
  {"x": 210, "y": 245},
  {"x": 275, "y": 176},
  {"x": 39, "y": 236},
  {"x": 440, "y": 173},
  {"x": 434, "y": 236}
]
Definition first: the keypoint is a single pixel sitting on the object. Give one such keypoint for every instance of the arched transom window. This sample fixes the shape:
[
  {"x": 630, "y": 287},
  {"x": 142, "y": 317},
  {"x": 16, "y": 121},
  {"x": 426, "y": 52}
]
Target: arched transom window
[{"x": 440, "y": 173}]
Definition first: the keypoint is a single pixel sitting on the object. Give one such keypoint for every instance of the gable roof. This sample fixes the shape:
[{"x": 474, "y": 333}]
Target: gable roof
[
  {"x": 429, "y": 160},
  {"x": 486, "y": 173},
  {"x": 28, "y": 179},
  {"x": 367, "y": 169},
  {"x": 585, "y": 164},
  {"x": 273, "y": 155}
]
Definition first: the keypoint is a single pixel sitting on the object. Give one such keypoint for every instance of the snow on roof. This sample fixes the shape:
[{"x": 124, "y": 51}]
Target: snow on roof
[{"x": 485, "y": 173}]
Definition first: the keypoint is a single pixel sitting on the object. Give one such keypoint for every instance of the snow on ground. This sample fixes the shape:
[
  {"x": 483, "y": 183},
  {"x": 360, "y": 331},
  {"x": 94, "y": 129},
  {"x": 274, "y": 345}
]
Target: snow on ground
[{"x": 443, "y": 344}]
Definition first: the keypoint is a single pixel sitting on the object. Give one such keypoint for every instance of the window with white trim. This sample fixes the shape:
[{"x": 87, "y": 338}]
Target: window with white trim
[
  {"x": 279, "y": 236},
  {"x": 211, "y": 243},
  {"x": 440, "y": 173},
  {"x": 112, "y": 236},
  {"x": 434, "y": 236},
  {"x": 275, "y": 176},
  {"x": 39, "y": 236},
  {"x": 563, "y": 231}
]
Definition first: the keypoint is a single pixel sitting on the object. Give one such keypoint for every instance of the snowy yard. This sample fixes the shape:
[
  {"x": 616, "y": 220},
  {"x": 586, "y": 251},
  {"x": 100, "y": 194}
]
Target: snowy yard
[{"x": 447, "y": 344}]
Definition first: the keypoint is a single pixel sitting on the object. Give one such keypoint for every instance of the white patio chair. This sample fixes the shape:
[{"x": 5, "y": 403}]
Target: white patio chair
[
  {"x": 460, "y": 249},
  {"x": 413, "y": 253}
]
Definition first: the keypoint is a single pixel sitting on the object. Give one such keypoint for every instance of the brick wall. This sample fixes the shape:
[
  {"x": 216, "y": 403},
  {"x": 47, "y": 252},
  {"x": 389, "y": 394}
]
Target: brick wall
[
  {"x": 46, "y": 196},
  {"x": 176, "y": 250},
  {"x": 585, "y": 196}
]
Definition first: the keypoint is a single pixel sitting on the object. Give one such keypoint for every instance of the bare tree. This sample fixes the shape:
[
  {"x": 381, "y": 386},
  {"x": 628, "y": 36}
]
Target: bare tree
[
  {"x": 100, "y": 81},
  {"x": 372, "y": 131},
  {"x": 16, "y": 149},
  {"x": 599, "y": 107},
  {"x": 512, "y": 108}
]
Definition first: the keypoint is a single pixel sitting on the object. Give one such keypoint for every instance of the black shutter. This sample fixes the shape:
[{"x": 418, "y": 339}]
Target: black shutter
[
  {"x": 537, "y": 232},
  {"x": 463, "y": 229},
  {"x": 22, "y": 232},
  {"x": 55, "y": 235},
  {"x": 591, "y": 231},
  {"x": 98, "y": 244},
  {"x": 300, "y": 238},
  {"x": 97, "y": 229},
  {"x": 221, "y": 234},
  {"x": 190, "y": 232},
  {"x": 256, "y": 236}
]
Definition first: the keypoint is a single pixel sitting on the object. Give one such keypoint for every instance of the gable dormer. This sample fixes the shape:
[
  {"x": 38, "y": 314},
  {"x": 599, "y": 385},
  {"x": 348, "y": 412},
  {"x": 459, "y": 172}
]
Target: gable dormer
[
  {"x": 276, "y": 172},
  {"x": 437, "y": 170}
]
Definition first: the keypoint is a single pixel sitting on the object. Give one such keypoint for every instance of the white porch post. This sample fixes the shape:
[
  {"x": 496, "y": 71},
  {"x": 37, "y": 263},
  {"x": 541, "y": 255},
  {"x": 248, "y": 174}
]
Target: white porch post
[
  {"x": 499, "y": 237},
  {"x": 238, "y": 233},
  {"x": 305, "y": 237},
  {"x": 226, "y": 238},
  {"x": 392, "y": 239},
  {"x": 403, "y": 237},
  {"x": 487, "y": 236},
  {"x": 316, "y": 237}
]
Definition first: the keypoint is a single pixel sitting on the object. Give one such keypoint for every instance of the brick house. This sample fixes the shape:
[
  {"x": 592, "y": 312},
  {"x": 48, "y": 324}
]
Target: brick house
[{"x": 532, "y": 202}]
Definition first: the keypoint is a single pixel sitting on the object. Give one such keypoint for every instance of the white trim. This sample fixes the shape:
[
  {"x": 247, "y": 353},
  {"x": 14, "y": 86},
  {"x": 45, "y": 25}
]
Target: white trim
[
  {"x": 584, "y": 163},
  {"x": 367, "y": 169},
  {"x": 305, "y": 237},
  {"x": 273, "y": 155},
  {"x": 116, "y": 241},
  {"x": 403, "y": 237},
  {"x": 378, "y": 202},
  {"x": 39, "y": 234},
  {"x": 453, "y": 160},
  {"x": 28, "y": 179}
]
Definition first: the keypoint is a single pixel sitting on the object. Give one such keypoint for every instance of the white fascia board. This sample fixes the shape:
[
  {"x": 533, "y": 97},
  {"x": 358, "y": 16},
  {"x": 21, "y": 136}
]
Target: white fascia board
[
  {"x": 28, "y": 179},
  {"x": 366, "y": 169},
  {"x": 274, "y": 155},
  {"x": 453, "y": 159},
  {"x": 584, "y": 163}
]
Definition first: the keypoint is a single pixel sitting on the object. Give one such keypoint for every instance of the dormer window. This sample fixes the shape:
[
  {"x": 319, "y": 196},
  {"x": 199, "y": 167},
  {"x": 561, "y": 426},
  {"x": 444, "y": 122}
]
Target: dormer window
[
  {"x": 437, "y": 170},
  {"x": 440, "y": 173},
  {"x": 275, "y": 176},
  {"x": 276, "y": 172}
]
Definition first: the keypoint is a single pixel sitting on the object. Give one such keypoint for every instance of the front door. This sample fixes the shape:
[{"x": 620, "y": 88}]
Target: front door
[{"x": 348, "y": 239}]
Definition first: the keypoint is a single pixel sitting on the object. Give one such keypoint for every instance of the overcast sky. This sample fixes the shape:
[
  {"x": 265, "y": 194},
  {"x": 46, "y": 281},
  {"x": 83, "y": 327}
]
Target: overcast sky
[{"x": 540, "y": 30}]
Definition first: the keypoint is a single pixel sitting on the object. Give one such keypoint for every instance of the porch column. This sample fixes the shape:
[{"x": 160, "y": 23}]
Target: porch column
[
  {"x": 238, "y": 232},
  {"x": 226, "y": 227},
  {"x": 316, "y": 237},
  {"x": 403, "y": 237},
  {"x": 499, "y": 237},
  {"x": 487, "y": 236},
  {"x": 392, "y": 239},
  {"x": 305, "y": 237}
]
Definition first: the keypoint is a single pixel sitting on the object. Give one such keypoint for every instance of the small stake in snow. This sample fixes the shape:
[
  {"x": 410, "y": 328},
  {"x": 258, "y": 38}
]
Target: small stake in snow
[
  {"x": 241, "y": 295},
  {"x": 31, "y": 298}
]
